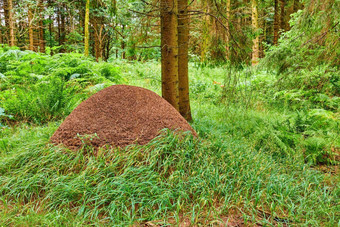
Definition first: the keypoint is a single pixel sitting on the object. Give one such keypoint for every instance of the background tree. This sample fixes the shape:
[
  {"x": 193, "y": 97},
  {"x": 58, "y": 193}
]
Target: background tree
[{"x": 86, "y": 28}]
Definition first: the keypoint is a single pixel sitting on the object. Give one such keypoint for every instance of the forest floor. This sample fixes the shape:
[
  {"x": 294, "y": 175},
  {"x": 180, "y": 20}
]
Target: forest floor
[{"x": 248, "y": 167}]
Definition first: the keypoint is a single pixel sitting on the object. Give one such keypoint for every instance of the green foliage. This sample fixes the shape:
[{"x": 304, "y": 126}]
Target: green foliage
[
  {"x": 312, "y": 41},
  {"x": 173, "y": 175},
  {"x": 45, "y": 101},
  {"x": 256, "y": 148}
]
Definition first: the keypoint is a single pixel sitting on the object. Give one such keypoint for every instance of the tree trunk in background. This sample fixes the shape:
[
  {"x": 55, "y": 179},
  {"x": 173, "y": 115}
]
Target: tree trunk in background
[
  {"x": 263, "y": 35},
  {"x": 1, "y": 27},
  {"x": 86, "y": 28},
  {"x": 255, "y": 25},
  {"x": 228, "y": 8},
  {"x": 183, "y": 46},
  {"x": 282, "y": 15},
  {"x": 10, "y": 23},
  {"x": 169, "y": 52},
  {"x": 62, "y": 29},
  {"x": 30, "y": 30},
  {"x": 41, "y": 27},
  {"x": 123, "y": 43},
  {"x": 276, "y": 22}
]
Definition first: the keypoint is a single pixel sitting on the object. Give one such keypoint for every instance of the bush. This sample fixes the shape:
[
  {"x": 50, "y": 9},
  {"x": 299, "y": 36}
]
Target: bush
[{"x": 45, "y": 101}]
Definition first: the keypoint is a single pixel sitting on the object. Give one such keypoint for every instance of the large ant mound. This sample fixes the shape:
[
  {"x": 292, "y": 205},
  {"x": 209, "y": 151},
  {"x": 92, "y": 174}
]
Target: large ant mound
[{"x": 119, "y": 115}]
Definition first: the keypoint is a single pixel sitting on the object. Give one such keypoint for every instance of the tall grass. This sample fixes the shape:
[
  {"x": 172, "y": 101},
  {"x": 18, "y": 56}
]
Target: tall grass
[
  {"x": 253, "y": 161},
  {"x": 202, "y": 180}
]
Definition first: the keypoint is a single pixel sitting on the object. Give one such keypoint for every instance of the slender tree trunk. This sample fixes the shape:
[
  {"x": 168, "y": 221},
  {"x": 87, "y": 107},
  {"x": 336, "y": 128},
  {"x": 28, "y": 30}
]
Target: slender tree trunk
[
  {"x": 86, "y": 29},
  {"x": 6, "y": 14},
  {"x": 282, "y": 15},
  {"x": 11, "y": 23},
  {"x": 123, "y": 43},
  {"x": 169, "y": 52},
  {"x": 30, "y": 30},
  {"x": 228, "y": 8},
  {"x": 50, "y": 29},
  {"x": 62, "y": 29},
  {"x": 58, "y": 23},
  {"x": 1, "y": 27},
  {"x": 183, "y": 46},
  {"x": 41, "y": 27},
  {"x": 264, "y": 34},
  {"x": 276, "y": 22},
  {"x": 108, "y": 42},
  {"x": 255, "y": 25}
]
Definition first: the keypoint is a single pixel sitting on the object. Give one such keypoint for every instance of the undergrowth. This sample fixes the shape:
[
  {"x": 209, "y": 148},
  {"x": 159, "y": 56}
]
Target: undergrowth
[
  {"x": 202, "y": 179},
  {"x": 261, "y": 140}
]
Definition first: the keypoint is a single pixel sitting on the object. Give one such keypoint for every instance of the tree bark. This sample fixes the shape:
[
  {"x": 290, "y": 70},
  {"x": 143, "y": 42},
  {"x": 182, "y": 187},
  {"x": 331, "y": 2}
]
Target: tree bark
[
  {"x": 9, "y": 13},
  {"x": 283, "y": 15},
  {"x": 169, "y": 52},
  {"x": 86, "y": 29},
  {"x": 62, "y": 37},
  {"x": 183, "y": 46},
  {"x": 30, "y": 30},
  {"x": 41, "y": 27},
  {"x": 255, "y": 25},
  {"x": 228, "y": 8},
  {"x": 276, "y": 22}
]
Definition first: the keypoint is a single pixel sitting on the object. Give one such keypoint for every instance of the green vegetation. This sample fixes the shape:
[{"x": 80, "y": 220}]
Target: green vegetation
[
  {"x": 268, "y": 147},
  {"x": 256, "y": 159}
]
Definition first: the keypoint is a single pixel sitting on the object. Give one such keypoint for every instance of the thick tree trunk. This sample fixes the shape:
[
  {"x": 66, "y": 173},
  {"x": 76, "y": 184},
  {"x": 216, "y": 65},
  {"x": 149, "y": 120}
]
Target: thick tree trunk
[
  {"x": 255, "y": 25},
  {"x": 86, "y": 29},
  {"x": 169, "y": 52},
  {"x": 183, "y": 46},
  {"x": 276, "y": 21}
]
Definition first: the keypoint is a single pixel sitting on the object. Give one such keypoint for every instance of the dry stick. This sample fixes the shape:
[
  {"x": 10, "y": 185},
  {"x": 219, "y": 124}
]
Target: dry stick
[{"x": 192, "y": 1}]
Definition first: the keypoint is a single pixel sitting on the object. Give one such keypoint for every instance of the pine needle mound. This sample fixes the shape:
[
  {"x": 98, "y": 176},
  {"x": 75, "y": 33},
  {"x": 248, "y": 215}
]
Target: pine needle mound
[{"x": 119, "y": 115}]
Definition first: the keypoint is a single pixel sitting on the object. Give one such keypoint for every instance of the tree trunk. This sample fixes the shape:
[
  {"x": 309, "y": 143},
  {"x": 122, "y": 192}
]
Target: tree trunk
[
  {"x": 123, "y": 43},
  {"x": 282, "y": 15},
  {"x": 41, "y": 27},
  {"x": 6, "y": 15},
  {"x": 50, "y": 29},
  {"x": 255, "y": 25},
  {"x": 30, "y": 30},
  {"x": 228, "y": 8},
  {"x": 276, "y": 22},
  {"x": 183, "y": 46},
  {"x": 11, "y": 35},
  {"x": 62, "y": 29},
  {"x": 86, "y": 29},
  {"x": 169, "y": 52}
]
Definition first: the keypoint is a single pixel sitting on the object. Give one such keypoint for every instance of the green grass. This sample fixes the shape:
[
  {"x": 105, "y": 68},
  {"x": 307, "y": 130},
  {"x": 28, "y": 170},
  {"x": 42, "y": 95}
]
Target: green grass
[
  {"x": 203, "y": 179},
  {"x": 253, "y": 162}
]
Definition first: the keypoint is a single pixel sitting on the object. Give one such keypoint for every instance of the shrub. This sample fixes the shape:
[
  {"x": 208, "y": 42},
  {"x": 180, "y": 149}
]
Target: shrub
[{"x": 45, "y": 101}]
